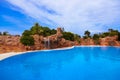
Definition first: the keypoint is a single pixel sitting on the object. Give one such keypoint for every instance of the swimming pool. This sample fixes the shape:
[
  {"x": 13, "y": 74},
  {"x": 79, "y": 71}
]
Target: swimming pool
[{"x": 78, "y": 63}]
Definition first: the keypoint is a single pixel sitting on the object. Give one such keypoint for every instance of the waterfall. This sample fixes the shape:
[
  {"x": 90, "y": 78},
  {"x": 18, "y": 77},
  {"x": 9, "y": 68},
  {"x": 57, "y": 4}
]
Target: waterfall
[{"x": 47, "y": 42}]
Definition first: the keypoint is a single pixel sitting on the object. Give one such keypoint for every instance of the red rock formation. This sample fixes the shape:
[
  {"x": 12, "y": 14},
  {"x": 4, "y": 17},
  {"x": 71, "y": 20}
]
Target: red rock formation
[
  {"x": 59, "y": 32},
  {"x": 38, "y": 42},
  {"x": 109, "y": 41},
  {"x": 87, "y": 42},
  {"x": 12, "y": 43}
]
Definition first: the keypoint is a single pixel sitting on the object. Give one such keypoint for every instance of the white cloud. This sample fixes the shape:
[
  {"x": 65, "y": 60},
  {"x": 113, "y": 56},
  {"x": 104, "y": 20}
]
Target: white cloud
[{"x": 74, "y": 15}]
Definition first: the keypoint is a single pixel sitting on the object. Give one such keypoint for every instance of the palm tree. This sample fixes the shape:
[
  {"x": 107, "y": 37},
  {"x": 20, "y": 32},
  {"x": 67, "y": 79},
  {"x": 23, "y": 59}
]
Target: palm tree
[
  {"x": 110, "y": 30},
  {"x": 87, "y": 33}
]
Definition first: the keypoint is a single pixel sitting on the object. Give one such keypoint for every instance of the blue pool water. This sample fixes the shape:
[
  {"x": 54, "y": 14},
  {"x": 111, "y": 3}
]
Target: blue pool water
[{"x": 79, "y": 63}]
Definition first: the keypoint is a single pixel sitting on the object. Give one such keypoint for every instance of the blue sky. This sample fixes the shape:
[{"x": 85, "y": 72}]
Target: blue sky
[{"x": 74, "y": 15}]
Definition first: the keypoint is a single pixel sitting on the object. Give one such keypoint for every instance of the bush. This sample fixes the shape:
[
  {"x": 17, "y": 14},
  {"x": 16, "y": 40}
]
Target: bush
[
  {"x": 96, "y": 36},
  {"x": 53, "y": 31},
  {"x": 36, "y": 29},
  {"x": 26, "y": 33},
  {"x": 113, "y": 33},
  {"x": 40, "y": 30},
  {"x": 27, "y": 40},
  {"x": 85, "y": 37},
  {"x": 68, "y": 36},
  {"x": 77, "y": 38},
  {"x": 96, "y": 39}
]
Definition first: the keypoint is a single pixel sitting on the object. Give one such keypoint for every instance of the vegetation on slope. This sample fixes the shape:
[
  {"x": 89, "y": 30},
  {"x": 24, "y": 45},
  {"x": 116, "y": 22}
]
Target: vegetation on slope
[
  {"x": 96, "y": 38},
  {"x": 71, "y": 36},
  {"x": 87, "y": 34},
  {"x": 68, "y": 36},
  {"x": 40, "y": 30},
  {"x": 4, "y": 33},
  {"x": 110, "y": 32},
  {"x": 27, "y": 38}
]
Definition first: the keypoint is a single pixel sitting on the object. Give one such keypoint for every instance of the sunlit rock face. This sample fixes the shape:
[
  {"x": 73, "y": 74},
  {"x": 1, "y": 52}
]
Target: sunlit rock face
[
  {"x": 109, "y": 41},
  {"x": 9, "y": 40},
  {"x": 59, "y": 32},
  {"x": 38, "y": 42},
  {"x": 12, "y": 43},
  {"x": 87, "y": 42},
  {"x": 56, "y": 40},
  {"x": 51, "y": 42}
]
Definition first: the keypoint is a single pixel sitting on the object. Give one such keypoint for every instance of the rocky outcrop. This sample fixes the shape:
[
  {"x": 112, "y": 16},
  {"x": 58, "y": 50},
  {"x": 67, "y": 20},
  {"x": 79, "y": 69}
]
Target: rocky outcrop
[
  {"x": 56, "y": 41},
  {"x": 109, "y": 41},
  {"x": 38, "y": 42},
  {"x": 87, "y": 41},
  {"x": 59, "y": 32},
  {"x": 10, "y": 40},
  {"x": 12, "y": 43}
]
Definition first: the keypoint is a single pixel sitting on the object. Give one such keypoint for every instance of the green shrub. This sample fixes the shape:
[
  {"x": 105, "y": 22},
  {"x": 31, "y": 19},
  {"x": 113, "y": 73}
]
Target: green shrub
[
  {"x": 68, "y": 36},
  {"x": 40, "y": 30},
  {"x": 26, "y": 33},
  {"x": 27, "y": 40},
  {"x": 96, "y": 36}
]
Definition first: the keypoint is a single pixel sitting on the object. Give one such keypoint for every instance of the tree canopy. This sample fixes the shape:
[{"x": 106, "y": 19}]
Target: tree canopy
[
  {"x": 37, "y": 29},
  {"x": 96, "y": 36},
  {"x": 111, "y": 32},
  {"x": 27, "y": 33},
  {"x": 27, "y": 38},
  {"x": 68, "y": 36},
  {"x": 86, "y": 34},
  {"x": 71, "y": 36},
  {"x": 40, "y": 30}
]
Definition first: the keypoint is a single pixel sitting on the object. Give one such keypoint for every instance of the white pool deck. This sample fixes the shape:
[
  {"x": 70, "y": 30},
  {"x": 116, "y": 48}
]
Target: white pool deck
[{"x": 10, "y": 54}]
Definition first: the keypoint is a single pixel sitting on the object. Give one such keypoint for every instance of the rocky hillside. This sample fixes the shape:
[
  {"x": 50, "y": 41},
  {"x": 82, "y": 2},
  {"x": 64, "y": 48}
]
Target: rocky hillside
[
  {"x": 44, "y": 38},
  {"x": 13, "y": 44}
]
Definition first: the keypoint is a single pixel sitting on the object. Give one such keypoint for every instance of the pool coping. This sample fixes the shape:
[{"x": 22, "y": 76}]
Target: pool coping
[{"x": 10, "y": 54}]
